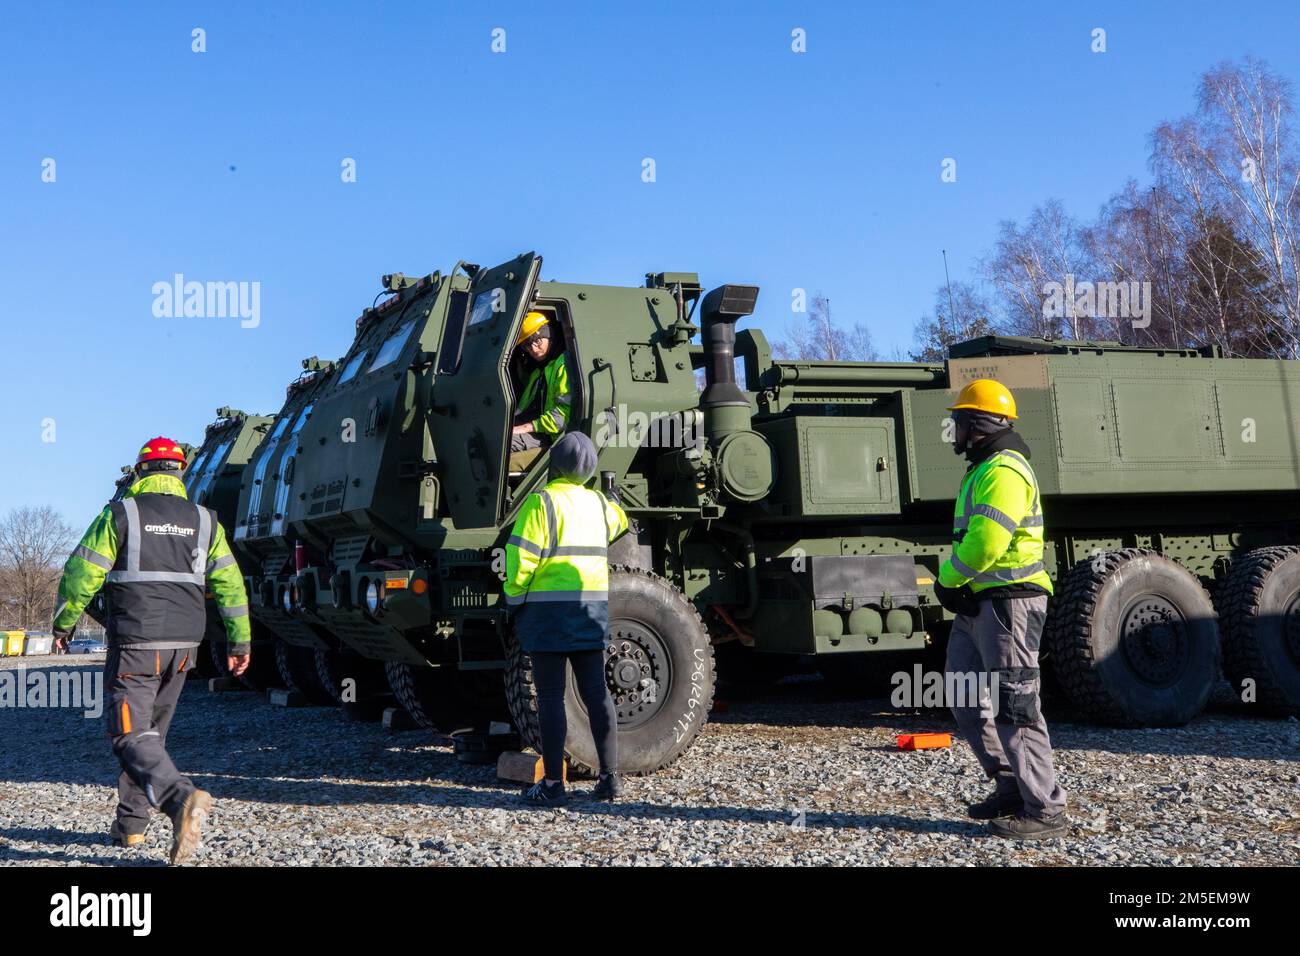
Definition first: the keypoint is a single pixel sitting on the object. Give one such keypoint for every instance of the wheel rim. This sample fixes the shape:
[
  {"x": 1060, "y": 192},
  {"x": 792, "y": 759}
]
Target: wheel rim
[
  {"x": 638, "y": 671},
  {"x": 1291, "y": 627},
  {"x": 1153, "y": 635}
]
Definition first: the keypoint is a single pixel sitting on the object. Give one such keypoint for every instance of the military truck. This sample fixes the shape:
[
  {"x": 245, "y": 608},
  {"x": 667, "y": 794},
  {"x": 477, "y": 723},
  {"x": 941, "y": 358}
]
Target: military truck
[
  {"x": 213, "y": 479},
  {"x": 791, "y": 508},
  {"x": 310, "y": 659}
]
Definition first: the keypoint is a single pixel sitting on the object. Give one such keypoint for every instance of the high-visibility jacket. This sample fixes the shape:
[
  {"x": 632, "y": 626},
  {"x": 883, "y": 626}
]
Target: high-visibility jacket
[
  {"x": 557, "y": 567},
  {"x": 157, "y": 553},
  {"x": 997, "y": 527},
  {"x": 548, "y": 387}
]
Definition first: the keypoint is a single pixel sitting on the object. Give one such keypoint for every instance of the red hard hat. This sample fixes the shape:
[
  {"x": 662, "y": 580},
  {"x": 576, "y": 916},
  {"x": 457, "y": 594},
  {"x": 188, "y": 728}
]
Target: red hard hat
[{"x": 161, "y": 449}]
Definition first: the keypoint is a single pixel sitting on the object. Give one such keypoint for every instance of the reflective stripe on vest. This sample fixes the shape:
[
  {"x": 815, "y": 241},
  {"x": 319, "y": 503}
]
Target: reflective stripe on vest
[
  {"x": 94, "y": 557},
  {"x": 584, "y": 564},
  {"x": 1003, "y": 576},
  {"x": 552, "y": 524},
  {"x": 1033, "y": 519},
  {"x": 131, "y": 573}
]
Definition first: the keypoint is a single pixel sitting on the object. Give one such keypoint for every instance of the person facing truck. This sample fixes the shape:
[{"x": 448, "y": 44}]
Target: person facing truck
[
  {"x": 557, "y": 586},
  {"x": 156, "y": 554},
  {"x": 996, "y": 584}
]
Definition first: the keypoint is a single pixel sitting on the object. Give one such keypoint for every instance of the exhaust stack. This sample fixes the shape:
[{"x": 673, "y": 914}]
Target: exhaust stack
[{"x": 724, "y": 405}]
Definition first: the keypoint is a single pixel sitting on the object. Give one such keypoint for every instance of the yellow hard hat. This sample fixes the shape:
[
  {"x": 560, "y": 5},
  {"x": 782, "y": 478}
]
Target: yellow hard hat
[
  {"x": 986, "y": 395},
  {"x": 532, "y": 322}
]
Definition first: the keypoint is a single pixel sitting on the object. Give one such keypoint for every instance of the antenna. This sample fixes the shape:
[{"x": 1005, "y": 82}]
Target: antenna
[{"x": 951, "y": 311}]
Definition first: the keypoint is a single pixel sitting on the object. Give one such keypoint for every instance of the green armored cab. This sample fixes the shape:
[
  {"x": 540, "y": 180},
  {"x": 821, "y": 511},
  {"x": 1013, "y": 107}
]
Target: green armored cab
[
  {"x": 306, "y": 656},
  {"x": 791, "y": 508},
  {"x": 213, "y": 479}
]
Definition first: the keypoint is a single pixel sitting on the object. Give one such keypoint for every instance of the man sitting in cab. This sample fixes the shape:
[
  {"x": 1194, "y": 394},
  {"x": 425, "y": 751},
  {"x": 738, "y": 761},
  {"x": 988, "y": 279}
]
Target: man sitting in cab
[{"x": 543, "y": 410}]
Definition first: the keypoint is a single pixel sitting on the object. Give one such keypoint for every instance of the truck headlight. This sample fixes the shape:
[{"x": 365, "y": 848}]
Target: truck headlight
[{"x": 374, "y": 597}]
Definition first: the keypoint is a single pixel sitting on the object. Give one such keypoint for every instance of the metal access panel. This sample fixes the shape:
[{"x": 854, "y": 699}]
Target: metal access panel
[
  {"x": 844, "y": 580},
  {"x": 936, "y": 472},
  {"x": 1133, "y": 423},
  {"x": 797, "y": 591},
  {"x": 834, "y": 466},
  {"x": 1164, "y": 422}
]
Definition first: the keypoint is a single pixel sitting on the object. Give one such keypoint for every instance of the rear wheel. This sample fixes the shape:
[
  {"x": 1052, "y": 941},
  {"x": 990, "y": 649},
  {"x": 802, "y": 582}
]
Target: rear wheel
[
  {"x": 1259, "y": 606},
  {"x": 445, "y": 698},
  {"x": 1133, "y": 640},
  {"x": 659, "y": 670},
  {"x": 297, "y": 667},
  {"x": 358, "y": 683},
  {"x": 329, "y": 673}
]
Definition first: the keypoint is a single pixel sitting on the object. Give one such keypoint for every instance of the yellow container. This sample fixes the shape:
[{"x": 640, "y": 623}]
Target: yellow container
[{"x": 11, "y": 643}]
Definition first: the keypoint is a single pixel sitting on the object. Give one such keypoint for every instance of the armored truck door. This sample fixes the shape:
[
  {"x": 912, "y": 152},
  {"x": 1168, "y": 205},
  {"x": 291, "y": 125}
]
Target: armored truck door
[{"x": 472, "y": 404}]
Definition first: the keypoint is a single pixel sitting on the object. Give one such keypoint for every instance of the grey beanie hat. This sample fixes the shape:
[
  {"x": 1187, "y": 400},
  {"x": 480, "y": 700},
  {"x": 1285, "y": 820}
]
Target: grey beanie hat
[{"x": 573, "y": 457}]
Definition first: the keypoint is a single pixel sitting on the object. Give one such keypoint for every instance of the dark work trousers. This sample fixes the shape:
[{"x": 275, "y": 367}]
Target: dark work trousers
[
  {"x": 143, "y": 687},
  {"x": 1008, "y": 735},
  {"x": 550, "y": 678}
]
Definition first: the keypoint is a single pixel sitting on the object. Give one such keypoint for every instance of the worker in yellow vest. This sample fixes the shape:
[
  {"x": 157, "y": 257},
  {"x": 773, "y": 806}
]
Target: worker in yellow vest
[
  {"x": 156, "y": 554},
  {"x": 543, "y": 412},
  {"x": 996, "y": 584},
  {"x": 557, "y": 586}
]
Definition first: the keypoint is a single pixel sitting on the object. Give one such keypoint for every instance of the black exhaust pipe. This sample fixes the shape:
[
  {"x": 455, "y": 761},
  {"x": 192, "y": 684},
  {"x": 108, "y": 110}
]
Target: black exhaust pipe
[{"x": 719, "y": 313}]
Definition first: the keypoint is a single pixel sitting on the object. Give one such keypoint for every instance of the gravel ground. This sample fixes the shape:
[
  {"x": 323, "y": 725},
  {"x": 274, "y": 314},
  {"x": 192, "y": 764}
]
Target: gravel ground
[{"x": 793, "y": 777}]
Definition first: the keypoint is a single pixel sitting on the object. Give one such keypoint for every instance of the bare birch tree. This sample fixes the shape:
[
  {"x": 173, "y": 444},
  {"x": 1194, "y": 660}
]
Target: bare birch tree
[{"x": 34, "y": 544}]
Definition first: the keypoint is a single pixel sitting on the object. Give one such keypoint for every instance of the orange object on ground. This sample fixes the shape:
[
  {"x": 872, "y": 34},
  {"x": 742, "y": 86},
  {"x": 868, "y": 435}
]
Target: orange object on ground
[{"x": 924, "y": 741}]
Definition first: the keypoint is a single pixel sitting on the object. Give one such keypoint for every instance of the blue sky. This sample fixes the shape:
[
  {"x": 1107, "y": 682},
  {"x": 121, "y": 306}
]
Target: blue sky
[{"x": 818, "y": 170}]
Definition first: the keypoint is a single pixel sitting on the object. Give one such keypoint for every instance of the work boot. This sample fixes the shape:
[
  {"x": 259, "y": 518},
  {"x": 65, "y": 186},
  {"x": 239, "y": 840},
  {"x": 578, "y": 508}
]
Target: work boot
[
  {"x": 541, "y": 795},
  {"x": 123, "y": 839},
  {"x": 996, "y": 805},
  {"x": 1021, "y": 827},
  {"x": 609, "y": 786},
  {"x": 187, "y": 825}
]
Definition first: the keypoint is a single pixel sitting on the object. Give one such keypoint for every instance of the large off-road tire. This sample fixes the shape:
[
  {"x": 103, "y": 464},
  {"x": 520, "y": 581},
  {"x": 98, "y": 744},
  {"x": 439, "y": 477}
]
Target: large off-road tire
[
  {"x": 446, "y": 699},
  {"x": 1133, "y": 640},
  {"x": 329, "y": 672},
  {"x": 297, "y": 667},
  {"x": 1259, "y": 618},
  {"x": 649, "y": 616},
  {"x": 358, "y": 683}
]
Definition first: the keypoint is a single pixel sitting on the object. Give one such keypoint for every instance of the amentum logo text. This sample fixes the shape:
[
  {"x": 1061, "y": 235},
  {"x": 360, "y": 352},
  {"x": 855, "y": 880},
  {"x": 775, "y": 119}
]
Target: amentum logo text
[
  {"x": 74, "y": 909},
  {"x": 168, "y": 529}
]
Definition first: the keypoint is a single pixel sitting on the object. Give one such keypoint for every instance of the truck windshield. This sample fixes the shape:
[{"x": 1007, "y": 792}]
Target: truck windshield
[
  {"x": 350, "y": 371},
  {"x": 393, "y": 347}
]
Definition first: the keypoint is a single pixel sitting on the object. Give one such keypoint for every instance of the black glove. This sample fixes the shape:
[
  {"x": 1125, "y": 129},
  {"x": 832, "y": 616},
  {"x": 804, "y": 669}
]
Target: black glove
[
  {"x": 958, "y": 600},
  {"x": 61, "y": 639}
]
